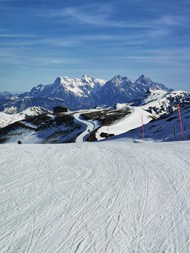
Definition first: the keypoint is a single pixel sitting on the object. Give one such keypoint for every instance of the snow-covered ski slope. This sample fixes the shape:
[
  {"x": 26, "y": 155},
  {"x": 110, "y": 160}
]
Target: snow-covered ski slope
[
  {"x": 111, "y": 196},
  {"x": 129, "y": 122},
  {"x": 88, "y": 126}
]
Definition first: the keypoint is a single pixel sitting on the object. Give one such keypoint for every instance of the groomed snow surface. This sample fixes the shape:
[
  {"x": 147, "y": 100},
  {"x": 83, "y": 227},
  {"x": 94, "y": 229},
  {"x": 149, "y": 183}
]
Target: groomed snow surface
[
  {"x": 129, "y": 122},
  {"x": 112, "y": 196}
]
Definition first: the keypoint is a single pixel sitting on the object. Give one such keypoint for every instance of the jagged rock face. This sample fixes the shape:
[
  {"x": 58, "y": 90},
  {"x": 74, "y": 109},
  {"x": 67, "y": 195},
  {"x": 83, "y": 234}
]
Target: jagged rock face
[
  {"x": 121, "y": 89},
  {"x": 87, "y": 92},
  {"x": 76, "y": 93},
  {"x": 82, "y": 93}
]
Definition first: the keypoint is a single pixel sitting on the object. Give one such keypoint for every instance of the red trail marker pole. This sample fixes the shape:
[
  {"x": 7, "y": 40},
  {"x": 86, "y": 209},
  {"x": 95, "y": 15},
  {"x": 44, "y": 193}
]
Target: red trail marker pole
[
  {"x": 180, "y": 120},
  {"x": 142, "y": 128}
]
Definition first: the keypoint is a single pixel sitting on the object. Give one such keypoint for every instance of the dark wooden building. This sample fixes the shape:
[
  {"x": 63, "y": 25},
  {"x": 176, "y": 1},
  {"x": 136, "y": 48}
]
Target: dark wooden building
[{"x": 60, "y": 109}]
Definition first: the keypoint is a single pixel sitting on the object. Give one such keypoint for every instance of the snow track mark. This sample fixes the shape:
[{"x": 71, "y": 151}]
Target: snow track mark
[{"x": 95, "y": 197}]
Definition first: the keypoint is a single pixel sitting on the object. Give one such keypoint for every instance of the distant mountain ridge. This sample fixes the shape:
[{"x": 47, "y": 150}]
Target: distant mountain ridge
[{"x": 82, "y": 93}]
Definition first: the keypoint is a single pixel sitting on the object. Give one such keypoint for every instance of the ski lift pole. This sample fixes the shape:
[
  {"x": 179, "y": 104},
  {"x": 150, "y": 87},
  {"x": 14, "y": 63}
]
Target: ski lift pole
[
  {"x": 142, "y": 128},
  {"x": 180, "y": 120}
]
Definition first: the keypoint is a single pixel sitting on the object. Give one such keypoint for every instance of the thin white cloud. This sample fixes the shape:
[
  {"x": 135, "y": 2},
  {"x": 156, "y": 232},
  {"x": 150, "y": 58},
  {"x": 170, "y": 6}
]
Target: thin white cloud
[
  {"x": 90, "y": 14},
  {"x": 172, "y": 20},
  {"x": 164, "y": 56},
  {"x": 178, "y": 54},
  {"x": 69, "y": 41},
  {"x": 22, "y": 59},
  {"x": 105, "y": 17},
  {"x": 52, "y": 61},
  {"x": 7, "y": 35},
  {"x": 90, "y": 40}
]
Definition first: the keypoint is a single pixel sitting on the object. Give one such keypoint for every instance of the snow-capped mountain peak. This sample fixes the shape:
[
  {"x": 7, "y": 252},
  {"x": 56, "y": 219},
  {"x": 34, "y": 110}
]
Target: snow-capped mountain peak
[
  {"x": 80, "y": 87},
  {"x": 143, "y": 79},
  {"x": 118, "y": 80},
  {"x": 89, "y": 92},
  {"x": 84, "y": 92},
  {"x": 72, "y": 83},
  {"x": 87, "y": 78},
  {"x": 59, "y": 80}
]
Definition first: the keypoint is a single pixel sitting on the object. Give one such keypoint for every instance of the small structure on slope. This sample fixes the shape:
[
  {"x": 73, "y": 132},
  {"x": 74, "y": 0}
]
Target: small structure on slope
[{"x": 60, "y": 109}]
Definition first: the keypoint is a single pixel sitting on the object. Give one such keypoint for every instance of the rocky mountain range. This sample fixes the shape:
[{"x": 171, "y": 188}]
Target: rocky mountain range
[
  {"x": 80, "y": 93},
  {"x": 154, "y": 101},
  {"x": 159, "y": 109}
]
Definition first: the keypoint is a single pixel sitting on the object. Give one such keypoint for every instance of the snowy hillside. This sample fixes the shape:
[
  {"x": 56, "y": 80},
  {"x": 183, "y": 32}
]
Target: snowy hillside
[
  {"x": 7, "y": 119},
  {"x": 131, "y": 121},
  {"x": 158, "y": 104},
  {"x": 155, "y": 109},
  {"x": 113, "y": 196},
  {"x": 158, "y": 114},
  {"x": 164, "y": 129},
  {"x": 41, "y": 128}
]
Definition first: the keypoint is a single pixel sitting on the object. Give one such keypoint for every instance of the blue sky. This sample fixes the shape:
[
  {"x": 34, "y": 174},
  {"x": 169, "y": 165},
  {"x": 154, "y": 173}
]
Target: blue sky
[{"x": 43, "y": 39}]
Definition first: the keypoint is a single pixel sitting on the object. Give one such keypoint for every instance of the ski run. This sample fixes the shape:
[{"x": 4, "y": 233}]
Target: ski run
[
  {"x": 88, "y": 126},
  {"x": 110, "y": 196}
]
